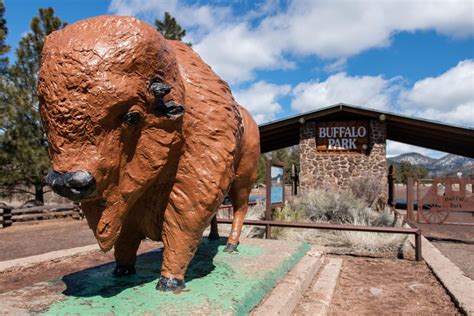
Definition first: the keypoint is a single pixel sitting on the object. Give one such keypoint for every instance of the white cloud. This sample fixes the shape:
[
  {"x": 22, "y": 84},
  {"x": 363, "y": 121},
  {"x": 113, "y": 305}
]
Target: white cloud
[
  {"x": 338, "y": 65},
  {"x": 396, "y": 148},
  {"x": 198, "y": 20},
  {"x": 265, "y": 38},
  {"x": 135, "y": 7},
  {"x": 235, "y": 52},
  {"x": 261, "y": 99},
  {"x": 367, "y": 91},
  {"x": 448, "y": 97},
  {"x": 334, "y": 29}
]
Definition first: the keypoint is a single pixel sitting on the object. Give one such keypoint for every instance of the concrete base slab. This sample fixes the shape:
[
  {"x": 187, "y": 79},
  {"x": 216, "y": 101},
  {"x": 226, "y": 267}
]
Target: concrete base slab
[
  {"x": 319, "y": 296},
  {"x": 284, "y": 297},
  {"x": 216, "y": 283}
]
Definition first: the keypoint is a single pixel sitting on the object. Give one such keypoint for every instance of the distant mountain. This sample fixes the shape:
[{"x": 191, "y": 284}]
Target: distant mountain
[
  {"x": 446, "y": 165},
  {"x": 413, "y": 158}
]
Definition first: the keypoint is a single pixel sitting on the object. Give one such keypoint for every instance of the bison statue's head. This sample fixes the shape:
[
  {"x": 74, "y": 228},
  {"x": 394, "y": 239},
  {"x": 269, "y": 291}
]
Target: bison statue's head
[{"x": 110, "y": 101}]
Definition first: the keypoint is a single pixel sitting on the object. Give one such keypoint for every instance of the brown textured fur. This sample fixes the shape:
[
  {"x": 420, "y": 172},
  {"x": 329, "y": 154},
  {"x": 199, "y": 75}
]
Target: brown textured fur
[{"x": 165, "y": 178}]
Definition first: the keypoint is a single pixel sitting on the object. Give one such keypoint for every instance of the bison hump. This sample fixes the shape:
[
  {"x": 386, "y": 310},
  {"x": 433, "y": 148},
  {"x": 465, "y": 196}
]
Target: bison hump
[{"x": 212, "y": 130}]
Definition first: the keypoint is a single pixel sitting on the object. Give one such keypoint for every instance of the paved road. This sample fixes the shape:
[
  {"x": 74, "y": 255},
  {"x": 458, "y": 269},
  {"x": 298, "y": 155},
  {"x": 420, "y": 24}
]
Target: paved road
[
  {"x": 460, "y": 254},
  {"x": 26, "y": 240}
]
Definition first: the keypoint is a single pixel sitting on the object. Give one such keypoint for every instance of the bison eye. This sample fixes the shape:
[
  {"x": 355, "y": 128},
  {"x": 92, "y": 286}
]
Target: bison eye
[{"x": 131, "y": 118}]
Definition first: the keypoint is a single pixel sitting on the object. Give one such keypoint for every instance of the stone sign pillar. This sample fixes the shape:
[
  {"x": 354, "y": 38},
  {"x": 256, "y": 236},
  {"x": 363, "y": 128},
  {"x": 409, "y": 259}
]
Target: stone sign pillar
[{"x": 333, "y": 154}]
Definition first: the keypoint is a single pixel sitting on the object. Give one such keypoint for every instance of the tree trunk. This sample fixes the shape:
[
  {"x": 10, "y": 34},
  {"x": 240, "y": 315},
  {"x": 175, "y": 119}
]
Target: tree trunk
[{"x": 39, "y": 194}]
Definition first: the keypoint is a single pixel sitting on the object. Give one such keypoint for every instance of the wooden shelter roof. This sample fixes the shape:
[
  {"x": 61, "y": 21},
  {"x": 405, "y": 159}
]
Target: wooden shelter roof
[{"x": 414, "y": 131}]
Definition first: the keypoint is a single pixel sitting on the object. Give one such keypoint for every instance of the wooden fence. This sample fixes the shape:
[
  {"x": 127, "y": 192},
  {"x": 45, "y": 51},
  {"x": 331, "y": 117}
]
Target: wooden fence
[{"x": 9, "y": 216}]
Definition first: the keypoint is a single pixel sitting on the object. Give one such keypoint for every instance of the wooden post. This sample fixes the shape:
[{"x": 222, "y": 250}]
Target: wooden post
[
  {"x": 418, "y": 251},
  {"x": 294, "y": 180},
  {"x": 391, "y": 200},
  {"x": 410, "y": 198},
  {"x": 268, "y": 205}
]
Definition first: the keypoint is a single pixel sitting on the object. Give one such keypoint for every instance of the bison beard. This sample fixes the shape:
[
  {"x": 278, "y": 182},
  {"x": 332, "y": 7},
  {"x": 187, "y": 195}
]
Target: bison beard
[{"x": 146, "y": 136}]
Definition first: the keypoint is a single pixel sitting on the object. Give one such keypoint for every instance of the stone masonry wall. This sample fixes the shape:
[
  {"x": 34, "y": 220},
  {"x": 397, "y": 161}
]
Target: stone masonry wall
[{"x": 335, "y": 171}]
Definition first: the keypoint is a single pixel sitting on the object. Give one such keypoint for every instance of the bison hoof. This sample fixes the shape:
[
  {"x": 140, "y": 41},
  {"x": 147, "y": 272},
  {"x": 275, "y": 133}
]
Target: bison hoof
[
  {"x": 170, "y": 284},
  {"x": 213, "y": 236},
  {"x": 122, "y": 270},
  {"x": 230, "y": 248}
]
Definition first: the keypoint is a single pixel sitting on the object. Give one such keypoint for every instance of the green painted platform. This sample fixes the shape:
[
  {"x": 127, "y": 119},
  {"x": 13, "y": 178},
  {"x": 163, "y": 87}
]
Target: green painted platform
[{"x": 217, "y": 283}]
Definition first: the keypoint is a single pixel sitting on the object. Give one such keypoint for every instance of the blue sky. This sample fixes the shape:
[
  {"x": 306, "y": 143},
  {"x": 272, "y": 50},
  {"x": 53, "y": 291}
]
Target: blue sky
[{"x": 285, "y": 57}]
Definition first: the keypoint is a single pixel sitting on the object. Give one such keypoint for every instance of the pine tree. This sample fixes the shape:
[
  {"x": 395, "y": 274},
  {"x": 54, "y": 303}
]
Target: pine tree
[
  {"x": 261, "y": 169},
  {"x": 170, "y": 29},
  {"x": 23, "y": 155},
  {"x": 407, "y": 170},
  {"x": 4, "y": 49}
]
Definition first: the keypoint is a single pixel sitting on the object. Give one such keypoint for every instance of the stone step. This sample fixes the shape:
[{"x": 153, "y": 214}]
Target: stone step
[
  {"x": 317, "y": 299},
  {"x": 283, "y": 299}
]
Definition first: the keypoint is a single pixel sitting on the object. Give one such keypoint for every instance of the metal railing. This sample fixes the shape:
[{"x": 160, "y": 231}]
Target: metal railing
[{"x": 374, "y": 229}]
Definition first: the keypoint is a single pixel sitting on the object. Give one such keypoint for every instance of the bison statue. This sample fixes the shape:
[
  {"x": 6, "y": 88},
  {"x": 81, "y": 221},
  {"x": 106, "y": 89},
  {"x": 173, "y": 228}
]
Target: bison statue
[{"x": 146, "y": 136}]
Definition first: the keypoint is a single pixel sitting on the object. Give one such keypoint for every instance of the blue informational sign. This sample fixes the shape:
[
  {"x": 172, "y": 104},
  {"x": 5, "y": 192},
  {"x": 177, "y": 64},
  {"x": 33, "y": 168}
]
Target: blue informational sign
[
  {"x": 277, "y": 183},
  {"x": 276, "y": 195}
]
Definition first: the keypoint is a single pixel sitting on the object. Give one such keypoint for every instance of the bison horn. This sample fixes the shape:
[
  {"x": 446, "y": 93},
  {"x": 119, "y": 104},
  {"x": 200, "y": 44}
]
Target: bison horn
[
  {"x": 169, "y": 109},
  {"x": 160, "y": 89}
]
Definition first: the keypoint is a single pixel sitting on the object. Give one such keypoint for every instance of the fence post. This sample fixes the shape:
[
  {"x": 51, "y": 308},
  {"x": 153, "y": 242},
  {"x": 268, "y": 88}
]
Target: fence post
[
  {"x": 410, "y": 198},
  {"x": 268, "y": 206},
  {"x": 294, "y": 180},
  {"x": 418, "y": 254},
  {"x": 391, "y": 200}
]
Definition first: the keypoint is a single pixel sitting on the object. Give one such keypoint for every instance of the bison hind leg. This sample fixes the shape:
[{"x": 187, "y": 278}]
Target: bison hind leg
[
  {"x": 239, "y": 194},
  {"x": 214, "y": 234},
  {"x": 168, "y": 284},
  {"x": 231, "y": 248}
]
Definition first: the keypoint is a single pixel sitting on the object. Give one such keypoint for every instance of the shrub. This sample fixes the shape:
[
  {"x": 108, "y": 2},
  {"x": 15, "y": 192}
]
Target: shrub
[
  {"x": 331, "y": 207},
  {"x": 367, "y": 189},
  {"x": 338, "y": 208}
]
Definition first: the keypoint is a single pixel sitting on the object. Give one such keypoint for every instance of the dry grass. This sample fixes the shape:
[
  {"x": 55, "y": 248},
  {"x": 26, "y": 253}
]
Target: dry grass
[
  {"x": 320, "y": 206},
  {"x": 338, "y": 208}
]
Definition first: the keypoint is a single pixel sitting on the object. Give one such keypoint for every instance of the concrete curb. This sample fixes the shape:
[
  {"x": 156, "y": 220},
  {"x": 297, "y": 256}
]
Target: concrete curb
[
  {"x": 458, "y": 285},
  {"x": 322, "y": 291},
  {"x": 27, "y": 261},
  {"x": 284, "y": 297}
]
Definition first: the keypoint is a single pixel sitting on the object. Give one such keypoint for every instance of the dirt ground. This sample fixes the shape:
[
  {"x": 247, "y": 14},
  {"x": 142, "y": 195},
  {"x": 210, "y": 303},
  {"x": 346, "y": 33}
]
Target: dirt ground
[
  {"x": 26, "y": 240},
  {"x": 18, "y": 278},
  {"x": 389, "y": 287}
]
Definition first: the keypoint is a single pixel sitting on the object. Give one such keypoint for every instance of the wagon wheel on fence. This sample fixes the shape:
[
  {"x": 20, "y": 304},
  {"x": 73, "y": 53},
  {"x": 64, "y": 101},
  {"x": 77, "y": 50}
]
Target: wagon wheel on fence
[{"x": 434, "y": 213}]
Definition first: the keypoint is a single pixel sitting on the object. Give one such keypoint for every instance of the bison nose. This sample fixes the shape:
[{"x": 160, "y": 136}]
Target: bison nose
[{"x": 72, "y": 185}]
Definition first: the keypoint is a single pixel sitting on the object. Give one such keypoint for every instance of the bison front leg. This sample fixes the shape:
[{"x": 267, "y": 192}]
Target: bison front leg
[
  {"x": 181, "y": 235},
  {"x": 125, "y": 251}
]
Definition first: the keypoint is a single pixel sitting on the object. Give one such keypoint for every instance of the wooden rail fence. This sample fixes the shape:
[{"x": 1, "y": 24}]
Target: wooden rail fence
[{"x": 9, "y": 216}]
